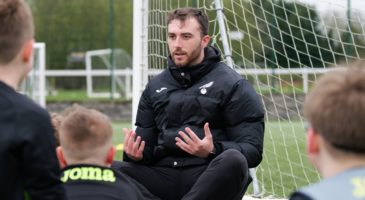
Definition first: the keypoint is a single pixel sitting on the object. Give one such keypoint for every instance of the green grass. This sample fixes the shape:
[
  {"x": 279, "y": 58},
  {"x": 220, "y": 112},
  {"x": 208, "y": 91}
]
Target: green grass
[
  {"x": 284, "y": 167},
  {"x": 67, "y": 95},
  {"x": 77, "y": 96},
  {"x": 118, "y": 136}
]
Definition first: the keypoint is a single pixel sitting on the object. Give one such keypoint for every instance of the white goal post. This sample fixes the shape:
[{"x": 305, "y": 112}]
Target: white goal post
[
  {"x": 104, "y": 57},
  {"x": 281, "y": 47},
  {"x": 34, "y": 86}
]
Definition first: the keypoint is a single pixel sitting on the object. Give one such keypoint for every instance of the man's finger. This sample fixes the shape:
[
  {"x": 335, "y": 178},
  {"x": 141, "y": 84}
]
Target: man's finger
[
  {"x": 136, "y": 144},
  {"x": 130, "y": 140},
  {"x": 182, "y": 145},
  {"x": 192, "y": 135},
  {"x": 127, "y": 135},
  {"x": 185, "y": 137},
  {"x": 141, "y": 148},
  {"x": 207, "y": 130}
]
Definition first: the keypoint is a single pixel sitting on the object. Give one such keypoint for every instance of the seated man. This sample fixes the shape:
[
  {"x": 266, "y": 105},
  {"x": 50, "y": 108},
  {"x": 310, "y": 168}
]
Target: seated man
[
  {"x": 199, "y": 125},
  {"x": 335, "y": 110},
  {"x": 85, "y": 155}
]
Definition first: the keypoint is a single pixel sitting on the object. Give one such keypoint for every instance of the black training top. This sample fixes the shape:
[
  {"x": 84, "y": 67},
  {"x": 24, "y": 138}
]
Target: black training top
[
  {"x": 28, "y": 162},
  {"x": 92, "y": 182}
]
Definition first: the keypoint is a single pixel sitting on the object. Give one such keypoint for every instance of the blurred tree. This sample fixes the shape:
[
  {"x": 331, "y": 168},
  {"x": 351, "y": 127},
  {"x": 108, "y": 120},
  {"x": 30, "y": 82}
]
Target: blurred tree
[
  {"x": 80, "y": 25},
  {"x": 336, "y": 26},
  {"x": 275, "y": 33},
  {"x": 295, "y": 39}
]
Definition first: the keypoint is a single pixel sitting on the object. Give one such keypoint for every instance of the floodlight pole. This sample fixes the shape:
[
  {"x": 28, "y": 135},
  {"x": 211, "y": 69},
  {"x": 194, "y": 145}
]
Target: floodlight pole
[{"x": 111, "y": 44}]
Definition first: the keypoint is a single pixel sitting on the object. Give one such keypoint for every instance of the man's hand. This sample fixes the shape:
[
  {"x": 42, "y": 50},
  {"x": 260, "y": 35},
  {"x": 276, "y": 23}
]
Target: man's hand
[
  {"x": 133, "y": 147},
  {"x": 191, "y": 143}
]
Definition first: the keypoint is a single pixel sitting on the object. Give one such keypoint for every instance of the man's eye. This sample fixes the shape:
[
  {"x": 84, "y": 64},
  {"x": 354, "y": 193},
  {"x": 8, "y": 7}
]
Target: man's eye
[{"x": 171, "y": 36}]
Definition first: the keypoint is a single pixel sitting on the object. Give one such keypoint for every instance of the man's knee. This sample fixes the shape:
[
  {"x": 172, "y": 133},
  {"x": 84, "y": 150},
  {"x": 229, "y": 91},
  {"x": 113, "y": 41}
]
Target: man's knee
[{"x": 234, "y": 160}]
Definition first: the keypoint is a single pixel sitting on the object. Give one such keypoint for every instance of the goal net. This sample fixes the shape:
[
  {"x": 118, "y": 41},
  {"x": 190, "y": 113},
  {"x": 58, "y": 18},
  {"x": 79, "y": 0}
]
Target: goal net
[
  {"x": 34, "y": 84},
  {"x": 281, "y": 47},
  {"x": 117, "y": 83}
]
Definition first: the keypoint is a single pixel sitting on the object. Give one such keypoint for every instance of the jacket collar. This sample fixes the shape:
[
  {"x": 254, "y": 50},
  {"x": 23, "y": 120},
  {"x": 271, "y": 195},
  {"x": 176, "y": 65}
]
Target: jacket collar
[{"x": 188, "y": 75}]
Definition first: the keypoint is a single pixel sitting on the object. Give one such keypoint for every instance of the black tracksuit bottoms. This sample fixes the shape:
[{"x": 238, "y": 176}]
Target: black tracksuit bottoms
[{"x": 226, "y": 177}]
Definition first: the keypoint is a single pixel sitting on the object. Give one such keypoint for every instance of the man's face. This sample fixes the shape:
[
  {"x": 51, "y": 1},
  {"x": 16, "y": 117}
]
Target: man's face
[{"x": 186, "y": 43}]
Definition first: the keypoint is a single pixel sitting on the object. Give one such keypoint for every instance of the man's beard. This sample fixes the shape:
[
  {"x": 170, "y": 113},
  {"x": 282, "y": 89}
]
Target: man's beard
[{"x": 191, "y": 58}]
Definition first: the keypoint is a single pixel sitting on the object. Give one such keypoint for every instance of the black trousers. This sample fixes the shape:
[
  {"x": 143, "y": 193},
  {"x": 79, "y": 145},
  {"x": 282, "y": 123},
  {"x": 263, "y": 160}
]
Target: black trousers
[{"x": 225, "y": 178}]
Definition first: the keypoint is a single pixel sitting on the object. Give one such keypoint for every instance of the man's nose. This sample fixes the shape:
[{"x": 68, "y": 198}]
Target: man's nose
[{"x": 178, "y": 42}]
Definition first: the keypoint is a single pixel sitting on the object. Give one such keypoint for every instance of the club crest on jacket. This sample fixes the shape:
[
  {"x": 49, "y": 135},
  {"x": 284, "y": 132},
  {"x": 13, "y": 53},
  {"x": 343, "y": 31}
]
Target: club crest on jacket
[{"x": 203, "y": 88}]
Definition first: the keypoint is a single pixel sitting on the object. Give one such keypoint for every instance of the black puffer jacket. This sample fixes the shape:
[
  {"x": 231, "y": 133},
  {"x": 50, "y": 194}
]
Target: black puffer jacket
[{"x": 191, "y": 96}]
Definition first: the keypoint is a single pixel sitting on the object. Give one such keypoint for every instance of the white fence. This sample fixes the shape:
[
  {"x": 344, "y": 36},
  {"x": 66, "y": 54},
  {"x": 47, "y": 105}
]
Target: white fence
[{"x": 128, "y": 73}]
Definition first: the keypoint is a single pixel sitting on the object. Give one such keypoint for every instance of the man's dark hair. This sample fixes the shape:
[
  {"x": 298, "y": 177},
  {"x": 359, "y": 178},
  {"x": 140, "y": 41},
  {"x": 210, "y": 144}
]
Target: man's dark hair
[
  {"x": 16, "y": 27},
  {"x": 183, "y": 13}
]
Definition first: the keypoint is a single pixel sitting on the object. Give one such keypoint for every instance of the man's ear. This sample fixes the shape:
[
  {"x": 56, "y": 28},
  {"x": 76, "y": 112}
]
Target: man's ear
[
  {"x": 61, "y": 158},
  {"x": 312, "y": 142},
  {"x": 27, "y": 51},
  {"x": 110, "y": 156},
  {"x": 205, "y": 40}
]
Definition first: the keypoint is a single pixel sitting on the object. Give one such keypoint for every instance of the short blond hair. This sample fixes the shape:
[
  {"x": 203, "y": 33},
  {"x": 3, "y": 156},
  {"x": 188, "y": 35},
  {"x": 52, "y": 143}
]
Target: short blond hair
[
  {"x": 335, "y": 108},
  {"x": 85, "y": 133}
]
